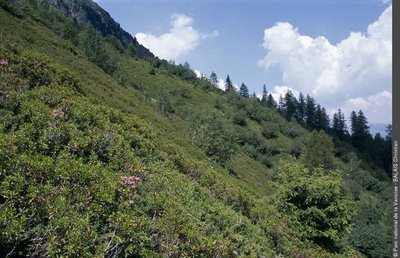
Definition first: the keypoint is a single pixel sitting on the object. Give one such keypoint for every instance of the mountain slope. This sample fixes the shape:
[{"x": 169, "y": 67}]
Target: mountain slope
[{"x": 123, "y": 153}]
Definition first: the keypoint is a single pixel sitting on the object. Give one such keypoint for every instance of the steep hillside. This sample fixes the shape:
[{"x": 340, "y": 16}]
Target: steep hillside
[{"x": 106, "y": 153}]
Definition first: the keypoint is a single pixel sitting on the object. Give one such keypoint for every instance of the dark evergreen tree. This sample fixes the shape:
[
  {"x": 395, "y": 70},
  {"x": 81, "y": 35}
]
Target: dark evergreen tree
[
  {"x": 310, "y": 112},
  {"x": 228, "y": 84},
  {"x": 325, "y": 120},
  {"x": 289, "y": 105},
  {"x": 213, "y": 78},
  {"x": 186, "y": 65},
  {"x": 271, "y": 103},
  {"x": 359, "y": 129},
  {"x": 301, "y": 108},
  {"x": 244, "y": 91},
  {"x": 377, "y": 149},
  {"x": 264, "y": 97},
  {"x": 321, "y": 119},
  {"x": 339, "y": 127},
  {"x": 281, "y": 105}
]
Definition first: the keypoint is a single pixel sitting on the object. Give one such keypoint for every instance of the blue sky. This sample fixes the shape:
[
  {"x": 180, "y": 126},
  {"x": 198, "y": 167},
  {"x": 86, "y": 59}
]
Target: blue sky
[{"x": 303, "y": 45}]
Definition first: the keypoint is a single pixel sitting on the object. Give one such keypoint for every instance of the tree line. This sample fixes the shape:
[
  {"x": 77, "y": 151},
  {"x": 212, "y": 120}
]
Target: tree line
[{"x": 306, "y": 111}]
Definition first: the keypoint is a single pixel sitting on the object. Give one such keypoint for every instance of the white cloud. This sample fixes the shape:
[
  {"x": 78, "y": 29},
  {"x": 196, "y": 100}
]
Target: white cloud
[
  {"x": 278, "y": 91},
  {"x": 221, "y": 84},
  {"x": 198, "y": 73},
  {"x": 376, "y": 106},
  {"x": 180, "y": 40},
  {"x": 348, "y": 73}
]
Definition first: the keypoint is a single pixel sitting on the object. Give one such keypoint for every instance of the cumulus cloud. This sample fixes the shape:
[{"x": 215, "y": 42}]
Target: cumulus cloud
[
  {"x": 375, "y": 105},
  {"x": 349, "y": 73},
  {"x": 180, "y": 40},
  {"x": 278, "y": 91}
]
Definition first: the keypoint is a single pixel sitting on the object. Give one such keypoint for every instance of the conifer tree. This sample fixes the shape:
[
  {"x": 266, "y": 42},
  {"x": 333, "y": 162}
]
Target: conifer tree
[
  {"x": 310, "y": 112},
  {"x": 281, "y": 105},
  {"x": 321, "y": 119},
  {"x": 271, "y": 103},
  {"x": 186, "y": 65},
  {"x": 289, "y": 105},
  {"x": 264, "y": 97},
  {"x": 228, "y": 84},
  {"x": 244, "y": 91},
  {"x": 213, "y": 78},
  {"x": 301, "y": 108},
  {"x": 339, "y": 127},
  {"x": 359, "y": 129}
]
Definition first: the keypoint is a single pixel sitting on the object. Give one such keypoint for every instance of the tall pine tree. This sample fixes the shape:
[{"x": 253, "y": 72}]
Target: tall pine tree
[
  {"x": 310, "y": 112},
  {"x": 213, "y": 78},
  {"x": 301, "y": 108},
  {"x": 321, "y": 119},
  {"x": 359, "y": 129},
  {"x": 289, "y": 105},
  {"x": 339, "y": 127},
  {"x": 228, "y": 84},
  {"x": 264, "y": 97},
  {"x": 244, "y": 91},
  {"x": 271, "y": 103}
]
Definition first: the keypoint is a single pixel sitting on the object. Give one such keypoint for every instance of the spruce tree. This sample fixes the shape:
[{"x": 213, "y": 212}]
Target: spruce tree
[
  {"x": 324, "y": 120},
  {"x": 281, "y": 105},
  {"x": 339, "y": 127},
  {"x": 213, "y": 78},
  {"x": 264, "y": 97},
  {"x": 321, "y": 119},
  {"x": 271, "y": 103},
  {"x": 244, "y": 91},
  {"x": 301, "y": 108},
  {"x": 359, "y": 129},
  {"x": 289, "y": 105},
  {"x": 228, "y": 84},
  {"x": 310, "y": 112}
]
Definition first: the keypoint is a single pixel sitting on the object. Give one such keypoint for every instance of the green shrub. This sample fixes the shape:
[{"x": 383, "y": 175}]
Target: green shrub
[
  {"x": 239, "y": 118},
  {"x": 314, "y": 199},
  {"x": 215, "y": 136},
  {"x": 270, "y": 130}
]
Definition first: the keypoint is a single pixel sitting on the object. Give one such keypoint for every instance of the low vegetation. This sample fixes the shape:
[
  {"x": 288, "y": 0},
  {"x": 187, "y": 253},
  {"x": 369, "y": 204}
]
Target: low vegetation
[{"x": 107, "y": 152}]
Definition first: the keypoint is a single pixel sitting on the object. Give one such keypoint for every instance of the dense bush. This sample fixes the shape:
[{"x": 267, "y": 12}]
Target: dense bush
[
  {"x": 239, "y": 118},
  {"x": 215, "y": 136},
  {"x": 315, "y": 200},
  {"x": 270, "y": 130},
  {"x": 319, "y": 151},
  {"x": 60, "y": 182},
  {"x": 97, "y": 49}
]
